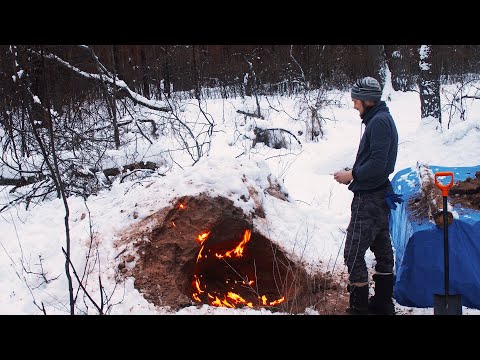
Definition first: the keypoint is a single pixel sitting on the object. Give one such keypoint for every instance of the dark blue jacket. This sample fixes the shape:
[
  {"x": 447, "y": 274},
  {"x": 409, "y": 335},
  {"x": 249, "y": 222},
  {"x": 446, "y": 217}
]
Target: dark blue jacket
[{"x": 377, "y": 152}]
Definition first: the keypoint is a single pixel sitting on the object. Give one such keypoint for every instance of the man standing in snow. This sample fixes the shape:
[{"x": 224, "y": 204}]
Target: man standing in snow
[{"x": 373, "y": 198}]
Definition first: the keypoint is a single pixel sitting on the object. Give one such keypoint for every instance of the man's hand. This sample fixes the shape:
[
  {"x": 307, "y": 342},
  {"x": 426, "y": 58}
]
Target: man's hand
[
  {"x": 343, "y": 176},
  {"x": 392, "y": 199}
]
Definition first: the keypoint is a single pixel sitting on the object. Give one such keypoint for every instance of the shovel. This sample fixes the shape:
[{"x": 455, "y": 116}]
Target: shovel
[{"x": 446, "y": 304}]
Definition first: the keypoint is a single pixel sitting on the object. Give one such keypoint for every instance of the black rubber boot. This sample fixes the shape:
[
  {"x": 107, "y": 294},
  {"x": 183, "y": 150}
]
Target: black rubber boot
[
  {"x": 358, "y": 300},
  {"x": 381, "y": 303}
]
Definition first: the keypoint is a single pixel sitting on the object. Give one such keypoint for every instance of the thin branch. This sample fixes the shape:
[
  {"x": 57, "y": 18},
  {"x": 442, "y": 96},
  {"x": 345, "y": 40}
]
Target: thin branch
[
  {"x": 250, "y": 114},
  {"x": 143, "y": 134},
  {"x": 280, "y": 129},
  {"x": 469, "y": 97},
  {"x": 80, "y": 282}
]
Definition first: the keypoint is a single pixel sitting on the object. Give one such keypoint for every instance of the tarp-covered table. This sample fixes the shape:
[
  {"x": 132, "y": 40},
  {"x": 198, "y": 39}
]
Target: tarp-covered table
[{"x": 419, "y": 244}]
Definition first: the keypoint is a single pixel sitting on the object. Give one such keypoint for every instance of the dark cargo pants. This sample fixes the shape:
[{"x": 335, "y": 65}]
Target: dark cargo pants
[{"x": 368, "y": 228}]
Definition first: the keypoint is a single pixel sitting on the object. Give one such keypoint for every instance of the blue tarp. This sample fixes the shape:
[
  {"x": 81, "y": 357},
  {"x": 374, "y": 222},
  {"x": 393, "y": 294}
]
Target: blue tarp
[{"x": 419, "y": 247}]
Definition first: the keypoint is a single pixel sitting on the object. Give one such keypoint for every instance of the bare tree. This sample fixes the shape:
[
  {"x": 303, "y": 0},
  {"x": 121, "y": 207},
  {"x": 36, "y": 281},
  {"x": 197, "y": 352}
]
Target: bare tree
[
  {"x": 82, "y": 131},
  {"x": 312, "y": 103},
  {"x": 402, "y": 61},
  {"x": 375, "y": 61},
  {"x": 60, "y": 189},
  {"x": 460, "y": 98},
  {"x": 429, "y": 85},
  {"x": 251, "y": 81},
  {"x": 116, "y": 135}
]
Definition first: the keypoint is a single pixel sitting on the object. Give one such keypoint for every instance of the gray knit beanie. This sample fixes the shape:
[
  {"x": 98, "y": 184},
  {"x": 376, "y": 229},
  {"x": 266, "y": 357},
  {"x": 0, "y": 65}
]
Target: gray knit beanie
[{"x": 367, "y": 88}]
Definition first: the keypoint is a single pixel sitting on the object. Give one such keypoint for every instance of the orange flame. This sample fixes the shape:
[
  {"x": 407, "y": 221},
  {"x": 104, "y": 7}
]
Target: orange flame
[
  {"x": 278, "y": 301},
  {"x": 202, "y": 237},
  {"x": 197, "y": 284},
  {"x": 238, "y": 299},
  {"x": 228, "y": 299},
  {"x": 238, "y": 251},
  {"x": 220, "y": 303},
  {"x": 199, "y": 256},
  {"x": 181, "y": 206},
  {"x": 231, "y": 299}
]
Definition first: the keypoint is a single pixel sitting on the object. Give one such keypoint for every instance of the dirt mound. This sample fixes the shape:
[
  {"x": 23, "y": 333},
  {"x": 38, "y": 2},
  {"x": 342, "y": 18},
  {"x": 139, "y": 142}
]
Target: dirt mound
[
  {"x": 429, "y": 201},
  {"x": 467, "y": 192},
  {"x": 204, "y": 250}
]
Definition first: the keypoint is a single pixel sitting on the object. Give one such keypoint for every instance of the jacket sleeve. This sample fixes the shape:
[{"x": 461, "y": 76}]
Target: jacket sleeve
[{"x": 380, "y": 138}]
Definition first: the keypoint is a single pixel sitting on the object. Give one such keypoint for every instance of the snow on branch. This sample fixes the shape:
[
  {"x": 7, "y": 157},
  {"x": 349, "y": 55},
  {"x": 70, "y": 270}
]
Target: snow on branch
[{"x": 106, "y": 76}]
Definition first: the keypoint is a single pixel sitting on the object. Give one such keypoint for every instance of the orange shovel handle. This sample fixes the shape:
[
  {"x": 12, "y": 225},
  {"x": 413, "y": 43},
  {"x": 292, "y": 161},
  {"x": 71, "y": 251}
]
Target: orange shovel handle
[{"x": 441, "y": 186}]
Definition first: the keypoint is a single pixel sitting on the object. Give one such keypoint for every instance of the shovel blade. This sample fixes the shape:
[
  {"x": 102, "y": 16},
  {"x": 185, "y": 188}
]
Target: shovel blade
[{"x": 447, "y": 304}]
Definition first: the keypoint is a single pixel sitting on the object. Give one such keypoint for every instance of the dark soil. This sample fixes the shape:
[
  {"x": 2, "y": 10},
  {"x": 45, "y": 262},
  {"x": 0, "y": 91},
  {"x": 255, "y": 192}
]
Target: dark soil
[
  {"x": 467, "y": 192},
  {"x": 169, "y": 271},
  {"x": 429, "y": 201}
]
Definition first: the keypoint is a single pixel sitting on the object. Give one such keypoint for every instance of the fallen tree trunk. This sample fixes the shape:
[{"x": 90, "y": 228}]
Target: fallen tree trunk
[
  {"x": 131, "y": 167},
  {"x": 22, "y": 181}
]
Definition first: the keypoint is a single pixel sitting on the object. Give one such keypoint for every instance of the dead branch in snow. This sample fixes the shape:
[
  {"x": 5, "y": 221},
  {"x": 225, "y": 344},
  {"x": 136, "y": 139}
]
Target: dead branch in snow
[
  {"x": 264, "y": 137},
  {"x": 23, "y": 181},
  {"x": 23, "y": 272},
  {"x": 251, "y": 114},
  {"x": 195, "y": 155}
]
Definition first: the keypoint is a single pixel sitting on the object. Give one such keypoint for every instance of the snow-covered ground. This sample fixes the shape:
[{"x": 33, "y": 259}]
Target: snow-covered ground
[{"x": 32, "y": 265}]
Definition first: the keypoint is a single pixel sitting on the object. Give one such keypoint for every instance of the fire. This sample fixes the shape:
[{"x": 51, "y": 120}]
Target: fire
[
  {"x": 271, "y": 303},
  {"x": 238, "y": 251},
  {"x": 197, "y": 284},
  {"x": 228, "y": 299},
  {"x": 199, "y": 256},
  {"x": 231, "y": 298},
  {"x": 202, "y": 237},
  {"x": 181, "y": 206}
]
